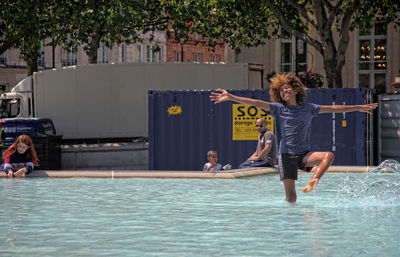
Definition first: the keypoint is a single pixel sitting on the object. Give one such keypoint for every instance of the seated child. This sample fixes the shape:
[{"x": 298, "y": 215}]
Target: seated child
[
  {"x": 20, "y": 158},
  {"x": 213, "y": 164}
]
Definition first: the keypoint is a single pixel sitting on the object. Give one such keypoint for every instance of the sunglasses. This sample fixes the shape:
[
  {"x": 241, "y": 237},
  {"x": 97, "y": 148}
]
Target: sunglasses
[{"x": 259, "y": 126}]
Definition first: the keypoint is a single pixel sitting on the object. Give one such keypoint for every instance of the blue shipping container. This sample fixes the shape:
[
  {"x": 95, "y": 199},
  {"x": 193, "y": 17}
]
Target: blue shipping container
[{"x": 184, "y": 125}]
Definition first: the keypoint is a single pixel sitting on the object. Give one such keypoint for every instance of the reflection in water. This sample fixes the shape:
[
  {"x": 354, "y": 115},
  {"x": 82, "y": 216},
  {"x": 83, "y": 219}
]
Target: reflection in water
[{"x": 175, "y": 217}]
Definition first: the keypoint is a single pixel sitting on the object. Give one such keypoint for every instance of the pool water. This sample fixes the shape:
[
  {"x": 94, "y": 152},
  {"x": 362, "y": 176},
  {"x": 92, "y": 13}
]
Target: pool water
[{"x": 347, "y": 215}]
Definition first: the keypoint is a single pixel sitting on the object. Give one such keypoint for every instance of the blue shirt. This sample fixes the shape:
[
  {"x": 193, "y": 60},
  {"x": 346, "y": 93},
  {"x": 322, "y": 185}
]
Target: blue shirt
[{"x": 293, "y": 124}]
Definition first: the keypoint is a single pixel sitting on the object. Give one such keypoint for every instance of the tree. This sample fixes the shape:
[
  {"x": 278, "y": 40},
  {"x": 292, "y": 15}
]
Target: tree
[
  {"x": 24, "y": 24},
  {"x": 72, "y": 23},
  {"x": 110, "y": 22},
  {"x": 239, "y": 22},
  {"x": 326, "y": 17},
  {"x": 249, "y": 23}
]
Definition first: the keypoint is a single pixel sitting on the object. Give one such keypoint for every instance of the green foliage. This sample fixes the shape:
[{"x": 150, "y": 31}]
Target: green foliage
[
  {"x": 240, "y": 23},
  {"x": 112, "y": 22},
  {"x": 71, "y": 23},
  {"x": 25, "y": 24},
  {"x": 249, "y": 23},
  {"x": 376, "y": 11}
]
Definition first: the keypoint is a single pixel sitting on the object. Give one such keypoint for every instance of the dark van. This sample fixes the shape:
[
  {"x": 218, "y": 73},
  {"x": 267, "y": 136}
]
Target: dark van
[{"x": 13, "y": 128}]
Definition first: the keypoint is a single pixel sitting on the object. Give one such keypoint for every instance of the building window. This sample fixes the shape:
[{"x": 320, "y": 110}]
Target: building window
[
  {"x": 137, "y": 53},
  {"x": 157, "y": 53},
  {"x": 178, "y": 56},
  {"x": 293, "y": 55},
  {"x": 197, "y": 57},
  {"x": 160, "y": 54},
  {"x": 3, "y": 58},
  {"x": 102, "y": 56},
  {"x": 215, "y": 58},
  {"x": 40, "y": 61},
  {"x": 123, "y": 53},
  {"x": 372, "y": 62},
  {"x": 148, "y": 54},
  {"x": 68, "y": 58},
  {"x": 153, "y": 53}
]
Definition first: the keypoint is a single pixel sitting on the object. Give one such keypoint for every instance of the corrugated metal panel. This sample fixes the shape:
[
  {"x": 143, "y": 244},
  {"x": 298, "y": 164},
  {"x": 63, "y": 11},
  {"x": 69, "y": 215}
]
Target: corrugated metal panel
[
  {"x": 180, "y": 140},
  {"x": 341, "y": 133},
  {"x": 178, "y": 128},
  {"x": 389, "y": 127}
]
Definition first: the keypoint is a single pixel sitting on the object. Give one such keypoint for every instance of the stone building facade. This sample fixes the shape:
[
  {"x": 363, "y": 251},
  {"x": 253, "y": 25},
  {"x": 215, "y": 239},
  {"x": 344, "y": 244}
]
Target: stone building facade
[
  {"x": 161, "y": 49},
  {"x": 13, "y": 69},
  {"x": 196, "y": 49},
  {"x": 372, "y": 58}
]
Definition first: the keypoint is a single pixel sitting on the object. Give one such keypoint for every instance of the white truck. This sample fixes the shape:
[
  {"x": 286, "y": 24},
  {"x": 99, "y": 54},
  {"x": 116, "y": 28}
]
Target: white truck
[{"x": 110, "y": 100}]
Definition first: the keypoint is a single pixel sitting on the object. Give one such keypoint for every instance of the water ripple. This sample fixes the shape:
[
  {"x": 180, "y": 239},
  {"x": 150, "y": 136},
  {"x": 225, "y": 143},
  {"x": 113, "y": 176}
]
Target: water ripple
[{"x": 189, "y": 217}]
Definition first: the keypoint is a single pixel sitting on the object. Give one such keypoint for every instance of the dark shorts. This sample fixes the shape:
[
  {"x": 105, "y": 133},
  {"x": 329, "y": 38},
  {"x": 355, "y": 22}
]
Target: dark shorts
[{"x": 288, "y": 164}]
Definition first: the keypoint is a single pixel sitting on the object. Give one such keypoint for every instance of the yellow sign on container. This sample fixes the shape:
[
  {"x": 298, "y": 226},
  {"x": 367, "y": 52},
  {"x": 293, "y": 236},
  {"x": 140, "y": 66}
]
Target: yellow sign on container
[{"x": 244, "y": 119}]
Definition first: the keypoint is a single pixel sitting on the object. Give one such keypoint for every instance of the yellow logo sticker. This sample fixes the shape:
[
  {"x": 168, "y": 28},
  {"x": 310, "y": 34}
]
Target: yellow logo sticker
[
  {"x": 244, "y": 119},
  {"x": 175, "y": 110}
]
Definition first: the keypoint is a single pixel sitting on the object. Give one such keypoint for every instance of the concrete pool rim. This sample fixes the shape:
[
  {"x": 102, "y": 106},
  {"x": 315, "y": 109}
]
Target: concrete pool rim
[{"x": 229, "y": 174}]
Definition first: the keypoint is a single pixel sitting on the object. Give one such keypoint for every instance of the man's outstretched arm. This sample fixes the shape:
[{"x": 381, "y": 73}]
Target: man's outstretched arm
[
  {"x": 348, "y": 108},
  {"x": 223, "y": 95}
]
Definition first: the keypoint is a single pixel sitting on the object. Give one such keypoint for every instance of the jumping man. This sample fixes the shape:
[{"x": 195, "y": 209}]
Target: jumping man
[{"x": 293, "y": 117}]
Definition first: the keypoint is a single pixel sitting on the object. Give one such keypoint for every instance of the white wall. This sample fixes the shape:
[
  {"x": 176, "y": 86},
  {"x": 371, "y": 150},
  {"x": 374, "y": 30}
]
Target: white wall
[{"x": 110, "y": 100}]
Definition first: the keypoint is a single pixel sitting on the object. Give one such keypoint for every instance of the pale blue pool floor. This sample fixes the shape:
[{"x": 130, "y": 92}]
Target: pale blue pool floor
[{"x": 199, "y": 217}]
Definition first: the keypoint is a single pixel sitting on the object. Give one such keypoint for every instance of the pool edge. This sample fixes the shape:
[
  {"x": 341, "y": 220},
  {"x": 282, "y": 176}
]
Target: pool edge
[{"x": 231, "y": 174}]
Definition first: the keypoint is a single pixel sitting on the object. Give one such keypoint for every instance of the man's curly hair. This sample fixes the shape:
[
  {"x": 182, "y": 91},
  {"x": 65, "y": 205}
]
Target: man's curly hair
[{"x": 281, "y": 79}]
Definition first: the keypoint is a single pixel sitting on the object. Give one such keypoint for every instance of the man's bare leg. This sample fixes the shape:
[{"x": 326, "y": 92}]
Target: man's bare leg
[
  {"x": 326, "y": 159},
  {"x": 290, "y": 189}
]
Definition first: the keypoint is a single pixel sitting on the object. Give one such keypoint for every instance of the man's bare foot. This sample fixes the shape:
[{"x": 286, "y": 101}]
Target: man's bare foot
[{"x": 311, "y": 185}]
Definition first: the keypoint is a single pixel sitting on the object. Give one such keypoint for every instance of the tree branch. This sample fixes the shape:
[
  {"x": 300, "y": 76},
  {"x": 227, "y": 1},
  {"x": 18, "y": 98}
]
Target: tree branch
[
  {"x": 302, "y": 11},
  {"x": 323, "y": 27},
  {"x": 338, "y": 4},
  {"x": 331, "y": 15},
  {"x": 329, "y": 5},
  {"x": 161, "y": 21},
  {"x": 344, "y": 32},
  {"x": 7, "y": 44},
  {"x": 286, "y": 26}
]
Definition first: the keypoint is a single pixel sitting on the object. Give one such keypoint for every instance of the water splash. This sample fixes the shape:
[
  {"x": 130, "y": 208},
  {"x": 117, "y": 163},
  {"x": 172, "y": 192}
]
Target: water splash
[
  {"x": 378, "y": 188},
  {"x": 387, "y": 166}
]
